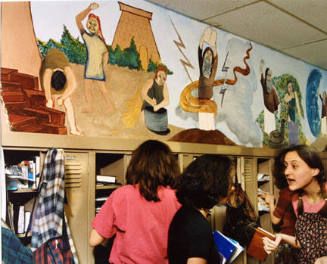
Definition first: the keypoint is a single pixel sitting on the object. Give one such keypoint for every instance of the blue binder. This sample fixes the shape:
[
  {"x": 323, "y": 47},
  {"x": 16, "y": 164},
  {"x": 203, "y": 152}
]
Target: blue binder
[
  {"x": 227, "y": 247},
  {"x": 224, "y": 245}
]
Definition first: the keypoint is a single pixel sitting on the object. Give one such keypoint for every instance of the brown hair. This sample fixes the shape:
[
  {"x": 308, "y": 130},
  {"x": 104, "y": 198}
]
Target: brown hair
[
  {"x": 205, "y": 181},
  {"x": 152, "y": 165},
  {"x": 91, "y": 15},
  {"x": 311, "y": 157},
  {"x": 160, "y": 67}
]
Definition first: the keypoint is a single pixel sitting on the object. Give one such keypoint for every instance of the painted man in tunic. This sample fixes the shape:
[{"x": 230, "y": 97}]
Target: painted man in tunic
[
  {"x": 97, "y": 56},
  {"x": 270, "y": 99},
  {"x": 208, "y": 61},
  {"x": 58, "y": 82}
]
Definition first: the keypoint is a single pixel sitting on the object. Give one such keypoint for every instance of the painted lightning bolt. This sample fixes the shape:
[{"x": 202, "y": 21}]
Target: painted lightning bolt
[
  {"x": 180, "y": 44},
  {"x": 223, "y": 89}
]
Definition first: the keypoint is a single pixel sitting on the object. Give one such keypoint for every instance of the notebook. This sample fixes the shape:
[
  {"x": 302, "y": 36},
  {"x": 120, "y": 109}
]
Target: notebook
[
  {"x": 255, "y": 249},
  {"x": 227, "y": 247}
]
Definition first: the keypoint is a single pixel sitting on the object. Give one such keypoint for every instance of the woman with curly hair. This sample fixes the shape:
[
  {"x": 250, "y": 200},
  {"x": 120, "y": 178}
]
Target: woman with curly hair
[
  {"x": 304, "y": 173},
  {"x": 282, "y": 213},
  {"x": 139, "y": 213},
  {"x": 204, "y": 183}
]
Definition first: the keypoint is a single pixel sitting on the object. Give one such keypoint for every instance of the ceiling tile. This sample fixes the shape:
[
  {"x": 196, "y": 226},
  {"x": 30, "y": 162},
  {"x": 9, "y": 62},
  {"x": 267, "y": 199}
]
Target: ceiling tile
[
  {"x": 295, "y": 28},
  {"x": 313, "y": 12},
  {"x": 314, "y": 53},
  {"x": 159, "y": 2},
  {"x": 266, "y": 25},
  {"x": 201, "y": 9}
]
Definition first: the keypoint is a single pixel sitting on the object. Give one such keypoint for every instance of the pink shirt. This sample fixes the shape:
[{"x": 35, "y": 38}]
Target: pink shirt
[
  {"x": 307, "y": 206},
  {"x": 141, "y": 227}
]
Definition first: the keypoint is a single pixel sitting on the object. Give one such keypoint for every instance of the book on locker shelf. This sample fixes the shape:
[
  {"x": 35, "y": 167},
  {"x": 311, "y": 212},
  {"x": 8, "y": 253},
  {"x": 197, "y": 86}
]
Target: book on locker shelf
[
  {"x": 17, "y": 177},
  {"x": 37, "y": 170},
  {"x": 24, "y": 166},
  {"x": 21, "y": 220},
  {"x": 24, "y": 175},
  {"x": 27, "y": 220},
  {"x": 10, "y": 216},
  {"x": 106, "y": 179},
  {"x": 31, "y": 174}
]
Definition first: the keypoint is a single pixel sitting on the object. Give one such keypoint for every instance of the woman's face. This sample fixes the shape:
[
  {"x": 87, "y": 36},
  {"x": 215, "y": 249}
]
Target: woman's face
[
  {"x": 161, "y": 78},
  {"x": 92, "y": 25},
  {"x": 298, "y": 174},
  {"x": 208, "y": 57}
]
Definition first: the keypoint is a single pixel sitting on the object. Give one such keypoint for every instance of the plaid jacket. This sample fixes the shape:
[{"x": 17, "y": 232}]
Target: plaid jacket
[
  {"x": 51, "y": 237},
  {"x": 50, "y": 210},
  {"x": 58, "y": 250},
  {"x": 13, "y": 251}
]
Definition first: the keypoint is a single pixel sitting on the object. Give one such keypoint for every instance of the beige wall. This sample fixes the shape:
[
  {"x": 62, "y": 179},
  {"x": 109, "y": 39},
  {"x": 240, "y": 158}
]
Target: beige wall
[{"x": 16, "y": 17}]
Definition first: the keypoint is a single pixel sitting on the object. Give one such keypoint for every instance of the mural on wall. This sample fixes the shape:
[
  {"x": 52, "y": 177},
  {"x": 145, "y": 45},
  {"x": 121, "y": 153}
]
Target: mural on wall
[
  {"x": 270, "y": 98},
  {"x": 132, "y": 69},
  {"x": 58, "y": 82},
  {"x": 286, "y": 110},
  {"x": 208, "y": 62},
  {"x": 312, "y": 92},
  {"x": 97, "y": 57}
]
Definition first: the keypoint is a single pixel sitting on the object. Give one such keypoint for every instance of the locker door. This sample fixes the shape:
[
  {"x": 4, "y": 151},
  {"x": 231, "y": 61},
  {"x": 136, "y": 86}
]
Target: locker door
[{"x": 77, "y": 192}]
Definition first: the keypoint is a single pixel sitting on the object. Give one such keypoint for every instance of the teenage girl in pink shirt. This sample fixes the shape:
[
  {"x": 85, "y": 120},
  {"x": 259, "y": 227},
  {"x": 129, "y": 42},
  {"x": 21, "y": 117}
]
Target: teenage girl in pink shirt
[
  {"x": 139, "y": 213},
  {"x": 304, "y": 172}
]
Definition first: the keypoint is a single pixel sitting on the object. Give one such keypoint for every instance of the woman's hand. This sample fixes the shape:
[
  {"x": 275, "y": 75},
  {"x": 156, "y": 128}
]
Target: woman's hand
[
  {"x": 269, "y": 198},
  {"x": 321, "y": 260},
  {"x": 59, "y": 100},
  {"x": 93, "y": 6},
  {"x": 157, "y": 107},
  {"x": 49, "y": 103},
  {"x": 271, "y": 245},
  {"x": 95, "y": 238}
]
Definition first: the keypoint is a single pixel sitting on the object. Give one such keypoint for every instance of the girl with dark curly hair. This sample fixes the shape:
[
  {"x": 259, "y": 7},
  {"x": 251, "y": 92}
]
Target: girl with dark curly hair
[
  {"x": 204, "y": 183},
  {"x": 281, "y": 213},
  {"x": 304, "y": 173}
]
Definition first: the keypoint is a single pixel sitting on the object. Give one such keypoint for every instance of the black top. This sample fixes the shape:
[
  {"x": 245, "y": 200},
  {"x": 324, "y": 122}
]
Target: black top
[
  {"x": 190, "y": 236},
  {"x": 156, "y": 92}
]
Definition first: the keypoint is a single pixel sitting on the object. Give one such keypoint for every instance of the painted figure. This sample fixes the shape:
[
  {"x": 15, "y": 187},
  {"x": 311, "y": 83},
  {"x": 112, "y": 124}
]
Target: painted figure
[
  {"x": 292, "y": 101},
  {"x": 155, "y": 97},
  {"x": 270, "y": 99},
  {"x": 208, "y": 61},
  {"x": 313, "y": 114},
  {"x": 58, "y": 82},
  {"x": 97, "y": 56},
  {"x": 323, "y": 99}
]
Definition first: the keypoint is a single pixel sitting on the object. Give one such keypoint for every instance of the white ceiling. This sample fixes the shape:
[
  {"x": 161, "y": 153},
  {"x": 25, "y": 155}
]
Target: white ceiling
[{"x": 295, "y": 27}]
